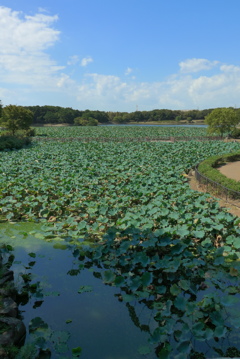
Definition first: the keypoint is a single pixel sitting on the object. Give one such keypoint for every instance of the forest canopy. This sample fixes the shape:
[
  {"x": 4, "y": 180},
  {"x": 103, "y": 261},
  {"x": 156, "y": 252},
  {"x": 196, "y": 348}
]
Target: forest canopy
[
  {"x": 69, "y": 116},
  {"x": 60, "y": 115}
]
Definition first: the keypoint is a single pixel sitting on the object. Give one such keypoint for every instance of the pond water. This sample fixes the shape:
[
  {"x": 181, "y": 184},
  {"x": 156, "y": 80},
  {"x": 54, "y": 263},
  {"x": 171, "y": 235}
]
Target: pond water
[
  {"x": 146, "y": 125},
  {"x": 95, "y": 320},
  {"x": 72, "y": 307}
]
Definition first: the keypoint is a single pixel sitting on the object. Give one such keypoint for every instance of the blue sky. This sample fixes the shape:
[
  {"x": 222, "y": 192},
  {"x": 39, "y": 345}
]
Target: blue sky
[{"x": 119, "y": 55}]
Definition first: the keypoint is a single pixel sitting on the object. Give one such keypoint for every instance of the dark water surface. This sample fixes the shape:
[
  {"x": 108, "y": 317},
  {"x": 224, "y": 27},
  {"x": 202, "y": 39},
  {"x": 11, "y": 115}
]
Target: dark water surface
[
  {"x": 146, "y": 125},
  {"x": 93, "y": 319},
  {"x": 100, "y": 324}
]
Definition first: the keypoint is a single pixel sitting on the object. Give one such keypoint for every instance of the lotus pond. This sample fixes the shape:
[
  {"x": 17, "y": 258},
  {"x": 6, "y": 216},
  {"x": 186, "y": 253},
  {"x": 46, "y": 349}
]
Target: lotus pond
[{"x": 115, "y": 256}]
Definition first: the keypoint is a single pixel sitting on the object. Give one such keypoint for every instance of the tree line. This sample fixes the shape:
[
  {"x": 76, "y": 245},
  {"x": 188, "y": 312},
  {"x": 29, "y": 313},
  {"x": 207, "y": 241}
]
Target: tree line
[
  {"x": 59, "y": 115},
  {"x": 19, "y": 118}
]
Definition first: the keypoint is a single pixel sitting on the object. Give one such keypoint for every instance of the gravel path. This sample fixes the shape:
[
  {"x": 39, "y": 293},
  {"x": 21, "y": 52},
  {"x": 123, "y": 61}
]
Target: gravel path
[
  {"x": 231, "y": 170},
  {"x": 194, "y": 184}
]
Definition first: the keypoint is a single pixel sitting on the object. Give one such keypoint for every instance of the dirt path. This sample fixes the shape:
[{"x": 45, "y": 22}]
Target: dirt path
[
  {"x": 193, "y": 183},
  {"x": 231, "y": 170}
]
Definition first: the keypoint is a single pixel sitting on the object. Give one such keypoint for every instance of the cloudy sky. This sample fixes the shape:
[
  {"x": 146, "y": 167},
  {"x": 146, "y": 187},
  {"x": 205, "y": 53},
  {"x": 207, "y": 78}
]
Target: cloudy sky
[{"x": 119, "y": 55}]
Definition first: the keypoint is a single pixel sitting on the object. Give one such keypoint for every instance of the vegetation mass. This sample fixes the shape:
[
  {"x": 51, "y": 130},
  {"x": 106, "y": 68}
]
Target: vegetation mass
[{"x": 162, "y": 244}]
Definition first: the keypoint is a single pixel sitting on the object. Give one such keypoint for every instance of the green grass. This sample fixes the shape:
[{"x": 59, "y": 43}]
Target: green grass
[{"x": 209, "y": 168}]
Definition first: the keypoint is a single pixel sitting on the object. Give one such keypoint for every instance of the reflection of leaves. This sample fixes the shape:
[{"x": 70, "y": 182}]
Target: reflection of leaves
[
  {"x": 38, "y": 304},
  {"x": 73, "y": 272},
  {"x": 26, "y": 277},
  {"x": 97, "y": 275},
  {"x": 31, "y": 264},
  {"x": 166, "y": 276},
  {"x": 33, "y": 255},
  {"x": 135, "y": 319},
  {"x": 52, "y": 294}
]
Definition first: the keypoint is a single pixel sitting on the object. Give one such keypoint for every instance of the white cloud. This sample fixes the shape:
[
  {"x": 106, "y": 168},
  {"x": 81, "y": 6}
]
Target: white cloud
[
  {"x": 73, "y": 60},
  {"x": 65, "y": 82},
  {"x": 28, "y": 74},
  {"x": 128, "y": 71},
  {"x": 23, "y": 41},
  {"x": 25, "y": 33},
  {"x": 179, "y": 91},
  {"x": 230, "y": 68},
  {"x": 196, "y": 65},
  {"x": 86, "y": 60},
  {"x": 42, "y": 9}
]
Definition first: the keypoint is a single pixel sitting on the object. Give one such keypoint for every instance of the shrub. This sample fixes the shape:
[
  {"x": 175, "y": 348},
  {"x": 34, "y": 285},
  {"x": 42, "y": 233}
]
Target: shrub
[
  {"x": 8, "y": 142},
  {"x": 85, "y": 121},
  {"x": 236, "y": 133},
  {"x": 31, "y": 132}
]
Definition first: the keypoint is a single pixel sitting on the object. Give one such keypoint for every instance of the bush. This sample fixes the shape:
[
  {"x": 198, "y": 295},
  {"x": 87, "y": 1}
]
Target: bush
[
  {"x": 31, "y": 132},
  {"x": 235, "y": 133},
  {"x": 85, "y": 121},
  {"x": 8, "y": 142}
]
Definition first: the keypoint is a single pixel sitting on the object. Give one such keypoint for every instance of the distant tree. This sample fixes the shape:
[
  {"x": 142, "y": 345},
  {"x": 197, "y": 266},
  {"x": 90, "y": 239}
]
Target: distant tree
[
  {"x": 85, "y": 121},
  {"x": 66, "y": 115},
  {"x": 16, "y": 118},
  {"x": 1, "y": 108},
  {"x": 118, "y": 119},
  {"x": 51, "y": 116},
  {"x": 189, "y": 119},
  {"x": 178, "y": 118},
  {"x": 222, "y": 120}
]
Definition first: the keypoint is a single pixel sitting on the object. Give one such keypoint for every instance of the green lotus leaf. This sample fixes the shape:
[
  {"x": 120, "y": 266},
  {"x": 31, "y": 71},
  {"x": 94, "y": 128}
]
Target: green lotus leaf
[
  {"x": 144, "y": 350},
  {"x": 175, "y": 290},
  {"x": 76, "y": 352},
  {"x": 199, "y": 234},
  {"x": 128, "y": 297},
  {"x": 108, "y": 276},
  {"x": 37, "y": 323}
]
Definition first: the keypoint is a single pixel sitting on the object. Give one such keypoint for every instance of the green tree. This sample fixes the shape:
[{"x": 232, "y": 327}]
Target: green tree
[
  {"x": 16, "y": 118},
  {"x": 85, "y": 121},
  {"x": 1, "y": 108},
  {"x": 120, "y": 119},
  {"x": 178, "y": 118},
  {"x": 222, "y": 120}
]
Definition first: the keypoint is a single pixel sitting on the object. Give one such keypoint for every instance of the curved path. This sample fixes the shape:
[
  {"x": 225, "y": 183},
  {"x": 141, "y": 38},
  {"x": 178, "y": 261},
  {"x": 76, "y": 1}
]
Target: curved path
[{"x": 231, "y": 170}]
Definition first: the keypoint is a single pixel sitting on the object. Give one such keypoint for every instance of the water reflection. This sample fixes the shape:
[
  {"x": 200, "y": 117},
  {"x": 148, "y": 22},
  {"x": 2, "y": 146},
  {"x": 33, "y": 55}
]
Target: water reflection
[
  {"x": 121, "y": 302},
  {"x": 95, "y": 320},
  {"x": 188, "y": 300},
  {"x": 146, "y": 125}
]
